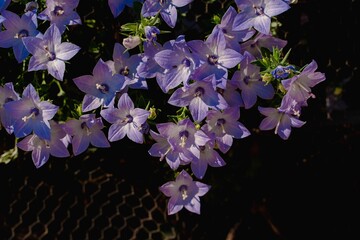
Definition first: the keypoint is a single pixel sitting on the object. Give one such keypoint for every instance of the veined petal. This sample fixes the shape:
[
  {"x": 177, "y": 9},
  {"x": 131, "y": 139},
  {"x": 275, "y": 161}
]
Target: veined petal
[
  {"x": 98, "y": 139},
  {"x": 56, "y": 68},
  {"x": 66, "y": 51},
  {"x": 116, "y": 132}
]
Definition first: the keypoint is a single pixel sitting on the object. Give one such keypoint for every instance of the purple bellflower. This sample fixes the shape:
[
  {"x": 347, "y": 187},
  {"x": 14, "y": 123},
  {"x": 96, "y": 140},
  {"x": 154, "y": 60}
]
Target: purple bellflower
[
  {"x": 215, "y": 58},
  {"x": 208, "y": 155},
  {"x": 232, "y": 37},
  {"x": 125, "y": 64},
  {"x": 258, "y": 14},
  {"x": 7, "y": 94},
  {"x": 179, "y": 63},
  {"x": 200, "y": 96},
  {"x": 49, "y": 52},
  {"x": 61, "y": 13},
  {"x": 179, "y": 147},
  {"x": 100, "y": 87},
  {"x": 126, "y": 120},
  {"x": 281, "y": 119},
  {"x": 16, "y": 29},
  {"x": 42, "y": 149},
  {"x": 184, "y": 192},
  {"x": 85, "y": 130},
  {"x": 248, "y": 80},
  {"x": 254, "y": 45},
  {"x": 225, "y": 126},
  {"x": 299, "y": 86},
  {"x": 31, "y": 114},
  {"x": 166, "y": 8},
  {"x": 117, "y": 6}
]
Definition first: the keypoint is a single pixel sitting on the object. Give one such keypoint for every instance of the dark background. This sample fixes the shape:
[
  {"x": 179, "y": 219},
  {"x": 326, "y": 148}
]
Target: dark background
[{"x": 304, "y": 188}]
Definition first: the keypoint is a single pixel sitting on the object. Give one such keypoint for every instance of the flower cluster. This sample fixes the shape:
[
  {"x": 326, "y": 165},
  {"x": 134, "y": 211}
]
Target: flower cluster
[{"x": 238, "y": 66}]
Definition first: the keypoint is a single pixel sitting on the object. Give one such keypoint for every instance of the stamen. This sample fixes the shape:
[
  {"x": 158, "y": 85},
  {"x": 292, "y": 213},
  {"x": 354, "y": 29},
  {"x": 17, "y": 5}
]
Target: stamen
[
  {"x": 103, "y": 88},
  {"x": 183, "y": 191}
]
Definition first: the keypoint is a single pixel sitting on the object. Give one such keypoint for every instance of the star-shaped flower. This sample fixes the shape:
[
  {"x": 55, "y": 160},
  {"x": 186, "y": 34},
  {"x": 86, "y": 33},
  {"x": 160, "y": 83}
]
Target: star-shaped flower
[
  {"x": 248, "y": 79},
  {"x": 61, "y": 13},
  {"x": 299, "y": 86},
  {"x": 258, "y": 14},
  {"x": 126, "y": 120},
  {"x": 100, "y": 87},
  {"x": 49, "y": 52},
  {"x": 85, "y": 130},
  {"x": 16, "y": 29},
  {"x": 31, "y": 114},
  {"x": 184, "y": 192},
  {"x": 42, "y": 149}
]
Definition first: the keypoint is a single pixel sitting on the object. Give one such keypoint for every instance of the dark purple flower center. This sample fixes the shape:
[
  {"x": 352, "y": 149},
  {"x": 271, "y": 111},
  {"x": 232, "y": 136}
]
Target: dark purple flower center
[
  {"x": 58, "y": 11},
  {"x": 183, "y": 190},
  {"x": 220, "y": 122},
  {"x": 258, "y": 10},
  {"x": 33, "y": 113},
  {"x": 212, "y": 59},
  {"x": 246, "y": 80},
  {"x": 22, "y": 33},
  {"x": 49, "y": 54},
  {"x": 199, "y": 91},
  {"x": 202, "y": 148},
  {"x": 103, "y": 88},
  {"x": 184, "y": 134},
  {"x": 186, "y": 62},
  {"x": 183, "y": 137},
  {"x": 83, "y": 125},
  {"x": 129, "y": 118},
  {"x": 124, "y": 71}
]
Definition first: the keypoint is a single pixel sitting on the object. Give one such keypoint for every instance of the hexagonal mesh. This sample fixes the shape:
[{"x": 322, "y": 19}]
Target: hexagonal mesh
[{"x": 80, "y": 199}]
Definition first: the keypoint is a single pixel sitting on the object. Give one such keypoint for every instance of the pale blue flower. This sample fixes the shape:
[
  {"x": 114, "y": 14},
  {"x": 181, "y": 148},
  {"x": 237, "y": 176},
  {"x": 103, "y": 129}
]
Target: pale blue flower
[
  {"x": 61, "y": 13},
  {"x": 126, "y": 120},
  {"x": 100, "y": 87},
  {"x": 42, "y": 149},
  {"x": 85, "y": 131},
  {"x": 31, "y": 114},
  {"x": 49, "y": 52},
  {"x": 184, "y": 192}
]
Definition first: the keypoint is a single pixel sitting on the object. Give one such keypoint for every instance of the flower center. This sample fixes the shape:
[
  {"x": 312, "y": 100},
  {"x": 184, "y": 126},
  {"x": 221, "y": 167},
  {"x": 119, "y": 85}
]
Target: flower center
[
  {"x": 22, "y": 33},
  {"x": 183, "y": 137},
  {"x": 186, "y": 62},
  {"x": 129, "y": 118},
  {"x": 199, "y": 91},
  {"x": 124, "y": 71},
  {"x": 183, "y": 190},
  {"x": 212, "y": 59},
  {"x": 103, "y": 88},
  {"x": 220, "y": 122},
  {"x": 50, "y": 55},
  {"x": 246, "y": 80},
  {"x": 258, "y": 10},
  {"x": 58, "y": 11},
  {"x": 33, "y": 113},
  {"x": 85, "y": 126}
]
